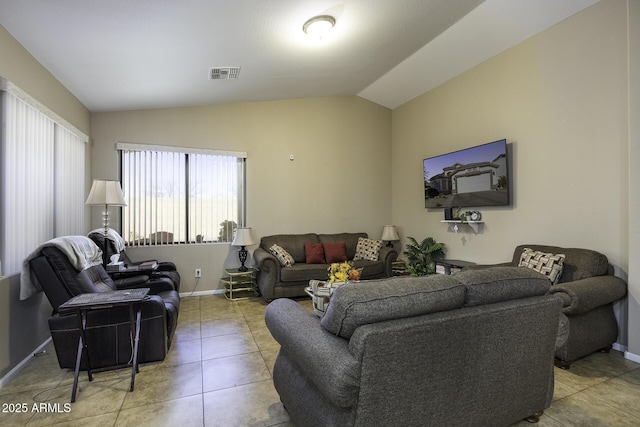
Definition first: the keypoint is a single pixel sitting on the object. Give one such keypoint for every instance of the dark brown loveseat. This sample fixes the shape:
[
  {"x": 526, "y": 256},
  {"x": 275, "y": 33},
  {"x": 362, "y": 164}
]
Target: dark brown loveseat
[
  {"x": 472, "y": 349},
  {"x": 587, "y": 289},
  {"x": 276, "y": 281}
]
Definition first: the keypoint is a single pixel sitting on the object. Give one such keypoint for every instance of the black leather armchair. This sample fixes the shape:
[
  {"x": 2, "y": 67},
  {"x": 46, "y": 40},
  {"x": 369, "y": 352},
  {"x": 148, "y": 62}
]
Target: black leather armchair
[
  {"x": 166, "y": 269},
  {"x": 108, "y": 330}
]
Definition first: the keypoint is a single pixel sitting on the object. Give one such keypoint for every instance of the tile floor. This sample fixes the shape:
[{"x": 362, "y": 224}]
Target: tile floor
[{"x": 218, "y": 373}]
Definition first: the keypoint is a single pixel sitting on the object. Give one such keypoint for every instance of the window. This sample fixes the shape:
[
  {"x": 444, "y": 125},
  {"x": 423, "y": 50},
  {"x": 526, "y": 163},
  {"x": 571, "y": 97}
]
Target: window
[
  {"x": 42, "y": 176},
  {"x": 178, "y": 195}
]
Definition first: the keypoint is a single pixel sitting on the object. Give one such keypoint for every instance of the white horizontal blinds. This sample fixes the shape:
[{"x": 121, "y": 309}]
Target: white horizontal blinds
[
  {"x": 27, "y": 181},
  {"x": 186, "y": 195},
  {"x": 215, "y": 197},
  {"x": 69, "y": 183},
  {"x": 154, "y": 188}
]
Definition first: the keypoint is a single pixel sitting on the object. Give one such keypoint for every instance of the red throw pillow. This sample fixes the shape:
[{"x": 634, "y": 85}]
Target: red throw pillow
[
  {"x": 314, "y": 253},
  {"x": 335, "y": 252}
]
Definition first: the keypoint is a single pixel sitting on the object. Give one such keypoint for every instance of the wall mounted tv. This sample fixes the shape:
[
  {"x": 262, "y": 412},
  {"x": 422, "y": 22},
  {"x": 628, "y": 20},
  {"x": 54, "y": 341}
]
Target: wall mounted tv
[{"x": 476, "y": 176}]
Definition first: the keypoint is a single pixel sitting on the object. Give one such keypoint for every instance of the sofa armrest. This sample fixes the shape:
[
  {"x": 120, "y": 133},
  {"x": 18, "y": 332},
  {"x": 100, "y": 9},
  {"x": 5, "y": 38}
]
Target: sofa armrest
[
  {"x": 324, "y": 358},
  {"x": 387, "y": 256},
  {"x": 583, "y": 295},
  {"x": 269, "y": 272}
]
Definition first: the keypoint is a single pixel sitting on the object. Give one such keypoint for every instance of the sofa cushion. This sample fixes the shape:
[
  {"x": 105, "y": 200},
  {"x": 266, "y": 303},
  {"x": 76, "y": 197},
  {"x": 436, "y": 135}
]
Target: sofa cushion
[
  {"x": 314, "y": 253},
  {"x": 368, "y": 249},
  {"x": 335, "y": 252},
  {"x": 301, "y": 272},
  {"x": 292, "y": 243},
  {"x": 543, "y": 262},
  {"x": 350, "y": 239},
  {"x": 495, "y": 284},
  {"x": 578, "y": 263},
  {"x": 359, "y": 303},
  {"x": 285, "y": 258}
]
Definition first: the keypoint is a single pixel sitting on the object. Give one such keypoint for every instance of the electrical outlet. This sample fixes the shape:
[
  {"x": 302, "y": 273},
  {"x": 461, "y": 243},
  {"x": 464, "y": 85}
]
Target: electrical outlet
[{"x": 198, "y": 272}]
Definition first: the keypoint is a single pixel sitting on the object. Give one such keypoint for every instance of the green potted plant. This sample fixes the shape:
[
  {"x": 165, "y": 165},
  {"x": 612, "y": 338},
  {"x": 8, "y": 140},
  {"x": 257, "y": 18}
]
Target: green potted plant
[{"x": 421, "y": 256}]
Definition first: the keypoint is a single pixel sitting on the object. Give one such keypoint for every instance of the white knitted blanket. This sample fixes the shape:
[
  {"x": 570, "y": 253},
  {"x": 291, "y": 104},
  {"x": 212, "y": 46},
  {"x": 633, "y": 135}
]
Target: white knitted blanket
[{"x": 80, "y": 250}]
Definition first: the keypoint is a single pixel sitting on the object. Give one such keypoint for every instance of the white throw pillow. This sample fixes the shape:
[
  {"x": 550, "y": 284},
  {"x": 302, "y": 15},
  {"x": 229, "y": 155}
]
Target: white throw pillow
[
  {"x": 368, "y": 249},
  {"x": 286, "y": 260},
  {"x": 549, "y": 264}
]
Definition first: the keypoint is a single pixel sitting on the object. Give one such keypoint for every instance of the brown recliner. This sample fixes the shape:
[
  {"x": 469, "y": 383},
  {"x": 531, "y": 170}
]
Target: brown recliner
[{"x": 108, "y": 330}]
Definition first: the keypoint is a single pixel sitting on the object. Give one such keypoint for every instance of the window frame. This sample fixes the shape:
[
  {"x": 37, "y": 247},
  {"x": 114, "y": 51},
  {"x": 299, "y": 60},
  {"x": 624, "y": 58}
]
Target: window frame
[{"x": 188, "y": 154}]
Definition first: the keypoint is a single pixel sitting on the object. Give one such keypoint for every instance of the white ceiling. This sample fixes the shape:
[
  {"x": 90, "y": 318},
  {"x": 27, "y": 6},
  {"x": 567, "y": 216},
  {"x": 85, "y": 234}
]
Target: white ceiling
[{"x": 135, "y": 54}]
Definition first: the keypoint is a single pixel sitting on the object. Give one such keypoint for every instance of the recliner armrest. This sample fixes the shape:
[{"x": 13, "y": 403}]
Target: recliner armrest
[
  {"x": 156, "y": 285},
  {"x": 131, "y": 282},
  {"x": 583, "y": 295},
  {"x": 322, "y": 356}
]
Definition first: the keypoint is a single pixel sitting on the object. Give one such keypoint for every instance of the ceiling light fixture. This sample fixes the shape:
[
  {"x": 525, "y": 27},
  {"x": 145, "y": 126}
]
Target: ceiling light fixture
[{"x": 318, "y": 26}]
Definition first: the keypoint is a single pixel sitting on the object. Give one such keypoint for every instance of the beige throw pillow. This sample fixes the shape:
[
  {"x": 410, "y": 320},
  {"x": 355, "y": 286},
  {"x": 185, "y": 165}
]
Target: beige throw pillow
[
  {"x": 368, "y": 249},
  {"x": 549, "y": 264},
  {"x": 286, "y": 260}
]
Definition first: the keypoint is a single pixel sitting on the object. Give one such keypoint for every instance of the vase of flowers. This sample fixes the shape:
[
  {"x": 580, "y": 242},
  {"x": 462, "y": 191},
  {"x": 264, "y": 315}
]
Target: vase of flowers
[
  {"x": 320, "y": 291},
  {"x": 343, "y": 272}
]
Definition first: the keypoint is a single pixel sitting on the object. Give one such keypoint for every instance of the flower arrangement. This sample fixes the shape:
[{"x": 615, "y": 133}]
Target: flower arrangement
[{"x": 343, "y": 271}]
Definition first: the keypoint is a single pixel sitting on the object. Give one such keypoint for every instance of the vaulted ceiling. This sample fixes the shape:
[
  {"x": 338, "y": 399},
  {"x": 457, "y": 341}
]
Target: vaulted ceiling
[{"x": 124, "y": 54}]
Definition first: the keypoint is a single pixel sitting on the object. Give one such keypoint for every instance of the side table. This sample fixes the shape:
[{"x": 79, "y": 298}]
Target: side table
[
  {"x": 239, "y": 284},
  {"x": 83, "y": 303}
]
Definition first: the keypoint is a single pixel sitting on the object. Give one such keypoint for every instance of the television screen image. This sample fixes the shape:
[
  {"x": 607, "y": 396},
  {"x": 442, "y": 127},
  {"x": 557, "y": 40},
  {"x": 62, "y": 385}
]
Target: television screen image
[{"x": 476, "y": 176}]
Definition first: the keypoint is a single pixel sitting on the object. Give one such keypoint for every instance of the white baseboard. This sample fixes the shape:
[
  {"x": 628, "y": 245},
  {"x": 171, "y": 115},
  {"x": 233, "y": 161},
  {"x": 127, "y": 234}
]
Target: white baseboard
[
  {"x": 12, "y": 373},
  {"x": 627, "y": 354},
  {"x": 200, "y": 293},
  {"x": 619, "y": 347},
  {"x": 633, "y": 357}
]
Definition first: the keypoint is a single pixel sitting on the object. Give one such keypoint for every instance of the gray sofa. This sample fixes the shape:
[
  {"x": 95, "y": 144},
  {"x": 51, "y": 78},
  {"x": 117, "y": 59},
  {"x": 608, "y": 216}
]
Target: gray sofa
[
  {"x": 275, "y": 281},
  {"x": 473, "y": 349},
  {"x": 587, "y": 289}
]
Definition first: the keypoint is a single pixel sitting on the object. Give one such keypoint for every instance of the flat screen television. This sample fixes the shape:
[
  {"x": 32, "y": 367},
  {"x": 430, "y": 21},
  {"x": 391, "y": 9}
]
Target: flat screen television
[{"x": 476, "y": 176}]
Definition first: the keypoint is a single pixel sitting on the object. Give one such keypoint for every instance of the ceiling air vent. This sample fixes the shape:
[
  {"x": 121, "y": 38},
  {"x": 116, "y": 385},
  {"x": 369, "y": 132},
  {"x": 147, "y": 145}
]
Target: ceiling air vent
[{"x": 223, "y": 73}]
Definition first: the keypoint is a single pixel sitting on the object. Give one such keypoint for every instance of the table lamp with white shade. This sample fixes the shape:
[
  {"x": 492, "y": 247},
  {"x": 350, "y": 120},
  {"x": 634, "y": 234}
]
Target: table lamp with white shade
[
  {"x": 243, "y": 238},
  {"x": 105, "y": 193},
  {"x": 389, "y": 233}
]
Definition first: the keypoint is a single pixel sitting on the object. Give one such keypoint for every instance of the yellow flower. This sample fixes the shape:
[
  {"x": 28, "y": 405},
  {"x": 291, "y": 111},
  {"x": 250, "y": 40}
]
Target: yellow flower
[
  {"x": 342, "y": 272},
  {"x": 341, "y": 276}
]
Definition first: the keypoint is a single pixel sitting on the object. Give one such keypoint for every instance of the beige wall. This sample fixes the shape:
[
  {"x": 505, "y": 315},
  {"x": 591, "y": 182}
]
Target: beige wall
[
  {"x": 339, "y": 181},
  {"x": 634, "y": 178},
  {"x": 29, "y": 75},
  {"x": 561, "y": 101},
  {"x": 23, "y": 324}
]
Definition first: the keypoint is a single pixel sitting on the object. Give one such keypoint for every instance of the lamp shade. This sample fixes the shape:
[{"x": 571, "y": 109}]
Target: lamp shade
[
  {"x": 244, "y": 237},
  {"x": 105, "y": 192},
  {"x": 389, "y": 233}
]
